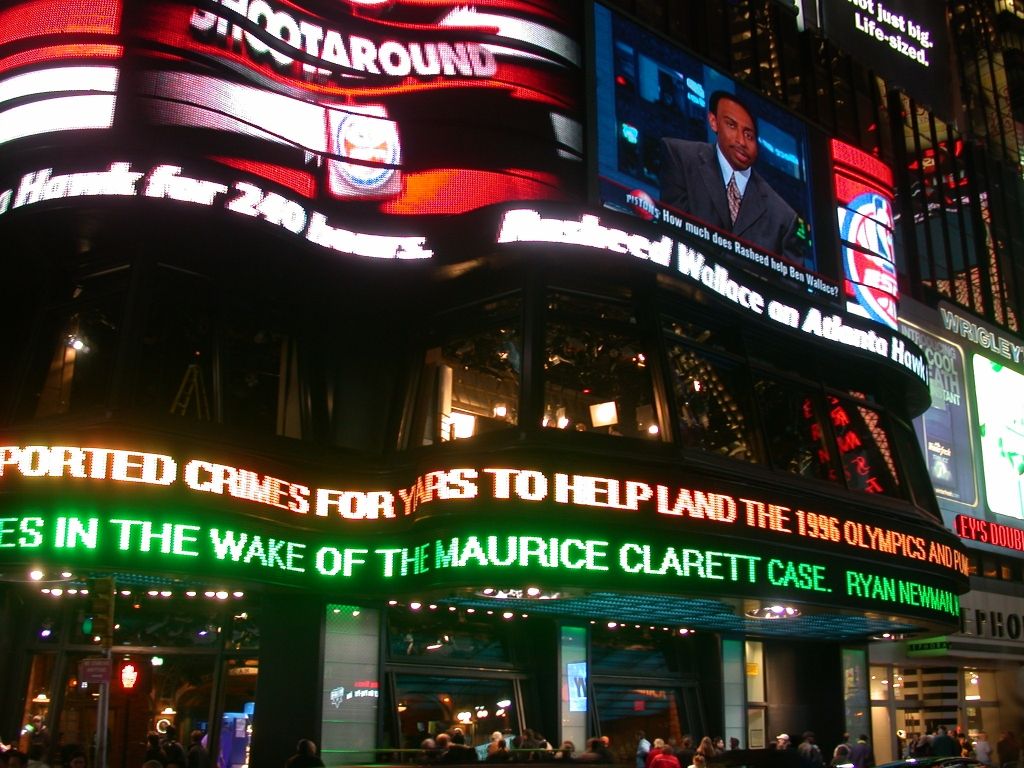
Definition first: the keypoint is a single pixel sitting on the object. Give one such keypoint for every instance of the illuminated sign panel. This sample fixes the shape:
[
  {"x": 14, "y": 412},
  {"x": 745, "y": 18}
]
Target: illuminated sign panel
[
  {"x": 977, "y": 376},
  {"x": 905, "y": 41},
  {"x": 657, "y": 157},
  {"x": 865, "y": 211},
  {"x": 749, "y": 295},
  {"x": 397, "y": 108},
  {"x": 183, "y": 513}
]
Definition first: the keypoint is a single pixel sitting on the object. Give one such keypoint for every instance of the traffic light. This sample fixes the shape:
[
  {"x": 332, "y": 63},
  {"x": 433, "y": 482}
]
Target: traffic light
[{"x": 101, "y": 610}]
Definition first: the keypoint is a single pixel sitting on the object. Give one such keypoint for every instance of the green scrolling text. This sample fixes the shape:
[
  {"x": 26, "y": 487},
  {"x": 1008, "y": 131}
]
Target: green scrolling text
[{"x": 686, "y": 565}]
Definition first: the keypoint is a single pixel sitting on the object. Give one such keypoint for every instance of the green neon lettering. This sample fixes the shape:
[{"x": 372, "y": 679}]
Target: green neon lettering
[
  {"x": 228, "y": 545},
  {"x": 7, "y": 528},
  {"x": 274, "y": 553},
  {"x": 626, "y": 561},
  {"x": 446, "y": 558},
  {"x": 533, "y": 546},
  {"x": 389, "y": 560},
  {"x": 510, "y": 555},
  {"x": 31, "y": 536},
  {"x": 596, "y": 550},
  {"x": 670, "y": 561},
  {"x": 74, "y": 533},
  {"x": 581, "y": 560},
  {"x": 472, "y": 549},
  {"x": 293, "y": 555},
  {"x": 350, "y": 560},
  {"x": 255, "y": 551},
  {"x": 693, "y": 559},
  {"x": 182, "y": 537},
  {"x": 149, "y": 533},
  {"x": 714, "y": 564},
  {"x": 854, "y": 584},
  {"x": 322, "y": 565}
]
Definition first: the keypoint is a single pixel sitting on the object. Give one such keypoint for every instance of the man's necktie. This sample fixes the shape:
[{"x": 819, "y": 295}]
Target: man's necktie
[{"x": 732, "y": 191}]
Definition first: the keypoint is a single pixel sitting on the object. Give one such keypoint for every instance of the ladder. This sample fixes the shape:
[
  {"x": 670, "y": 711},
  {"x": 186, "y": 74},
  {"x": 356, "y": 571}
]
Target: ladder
[{"x": 192, "y": 387}]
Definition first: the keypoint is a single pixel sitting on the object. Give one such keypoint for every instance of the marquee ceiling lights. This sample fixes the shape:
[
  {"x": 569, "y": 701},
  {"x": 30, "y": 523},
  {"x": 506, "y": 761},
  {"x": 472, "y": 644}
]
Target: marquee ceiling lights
[{"x": 774, "y": 612}]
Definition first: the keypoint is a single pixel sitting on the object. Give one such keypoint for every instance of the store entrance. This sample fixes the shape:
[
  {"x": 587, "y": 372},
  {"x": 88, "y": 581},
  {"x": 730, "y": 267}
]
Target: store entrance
[{"x": 153, "y": 699}]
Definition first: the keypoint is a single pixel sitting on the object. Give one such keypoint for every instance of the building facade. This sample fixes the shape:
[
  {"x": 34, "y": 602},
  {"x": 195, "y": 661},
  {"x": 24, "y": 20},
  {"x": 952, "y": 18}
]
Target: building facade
[{"x": 366, "y": 380}]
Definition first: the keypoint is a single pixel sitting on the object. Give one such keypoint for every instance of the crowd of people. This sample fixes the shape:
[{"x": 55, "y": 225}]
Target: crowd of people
[
  {"x": 162, "y": 751},
  {"x": 942, "y": 742}
]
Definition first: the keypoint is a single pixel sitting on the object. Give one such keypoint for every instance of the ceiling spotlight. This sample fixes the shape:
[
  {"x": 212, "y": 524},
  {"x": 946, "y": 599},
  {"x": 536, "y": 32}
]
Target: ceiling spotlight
[{"x": 773, "y": 612}]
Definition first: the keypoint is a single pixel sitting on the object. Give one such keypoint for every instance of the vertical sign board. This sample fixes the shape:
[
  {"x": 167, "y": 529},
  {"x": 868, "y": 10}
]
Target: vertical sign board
[{"x": 864, "y": 198}]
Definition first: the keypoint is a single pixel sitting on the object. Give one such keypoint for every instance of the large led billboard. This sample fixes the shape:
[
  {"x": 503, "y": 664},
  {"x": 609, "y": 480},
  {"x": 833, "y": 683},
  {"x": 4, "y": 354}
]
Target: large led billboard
[
  {"x": 671, "y": 133},
  {"x": 358, "y": 106}
]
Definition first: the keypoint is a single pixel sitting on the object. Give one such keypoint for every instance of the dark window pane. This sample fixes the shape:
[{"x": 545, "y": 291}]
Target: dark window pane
[
  {"x": 428, "y": 705},
  {"x": 435, "y": 638},
  {"x": 793, "y": 429},
  {"x": 260, "y": 374},
  {"x": 175, "y": 372},
  {"x": 76, "y": 358},
  {"x": 597, "y": 377},
  {"x": 865, "y": 447},
  {"x": 713, "y": 401}
]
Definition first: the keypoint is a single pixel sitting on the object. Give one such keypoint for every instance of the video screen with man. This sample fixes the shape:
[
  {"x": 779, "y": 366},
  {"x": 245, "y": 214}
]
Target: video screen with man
[{"x": 681, "y": 143}]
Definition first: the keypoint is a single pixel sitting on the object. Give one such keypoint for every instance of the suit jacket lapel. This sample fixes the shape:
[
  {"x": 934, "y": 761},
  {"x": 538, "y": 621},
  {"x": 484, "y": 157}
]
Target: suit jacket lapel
[
  {"x": 711, "y": 175},
  {"x": 753, "y": 206}
]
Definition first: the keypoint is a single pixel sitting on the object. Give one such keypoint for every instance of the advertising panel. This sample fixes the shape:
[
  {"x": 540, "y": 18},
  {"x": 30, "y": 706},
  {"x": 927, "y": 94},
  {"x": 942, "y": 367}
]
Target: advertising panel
[
  {"x": 864, "y": 194},
  {"x": 973, "y": 435},
  {"x": 944, "y": 431},
  {"x": 672, "y": 131},
  {"x": 905, "y": 40},
  {"x": 403, "y": 107}
]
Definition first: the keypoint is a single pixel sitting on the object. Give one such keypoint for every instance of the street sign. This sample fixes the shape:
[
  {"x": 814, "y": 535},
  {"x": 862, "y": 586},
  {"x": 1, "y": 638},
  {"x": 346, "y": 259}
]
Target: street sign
[{"x": 94, "y": 670}]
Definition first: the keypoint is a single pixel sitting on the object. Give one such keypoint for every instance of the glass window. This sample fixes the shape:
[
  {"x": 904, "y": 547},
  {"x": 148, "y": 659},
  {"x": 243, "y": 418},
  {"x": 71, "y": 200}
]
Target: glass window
[
  {"x": 597, "y": 376},
  {"x": 623, "y": 651},
  {"x": 77, "y": 352},
  {"x": 470, "y": 381},
  {"x": 152, "y": 617},
  {"x": 793, "y": 429},
  {"x": 754, "y": 653},
  {"x": 430, "y": 704},
  {"x": 624, "y": 709},
  {"x": 436, "y": 638},
  {"x": 879, "y": 683},
  {"x": 175, "y": 371},
  {"x": 713, "y": 402},
  {"x": 259, "y": 370},
  {"x": 865, "y": 448}
]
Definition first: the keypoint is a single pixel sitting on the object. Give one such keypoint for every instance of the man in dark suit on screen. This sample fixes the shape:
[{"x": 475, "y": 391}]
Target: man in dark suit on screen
[{"x": 716, "y": 182}]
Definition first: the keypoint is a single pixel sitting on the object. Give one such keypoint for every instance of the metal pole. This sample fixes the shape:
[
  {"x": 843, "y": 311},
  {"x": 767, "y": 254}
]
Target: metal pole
[{"x": 102, "y": 714}]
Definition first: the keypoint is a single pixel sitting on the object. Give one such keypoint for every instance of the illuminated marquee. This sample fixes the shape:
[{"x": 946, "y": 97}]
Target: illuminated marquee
[
  {"x": 239, "y": 197},
  {"x": 680, "y": 509},
  {"x": 527, "y": 225},
  {"x": 985, "y": 532},
  {"x": 435, "y": 557}
]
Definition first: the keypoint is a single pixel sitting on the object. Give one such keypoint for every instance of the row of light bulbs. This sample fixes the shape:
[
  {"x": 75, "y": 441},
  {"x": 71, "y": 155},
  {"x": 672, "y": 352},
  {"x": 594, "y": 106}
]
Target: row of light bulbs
[{"x": 418, "y": 606}]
